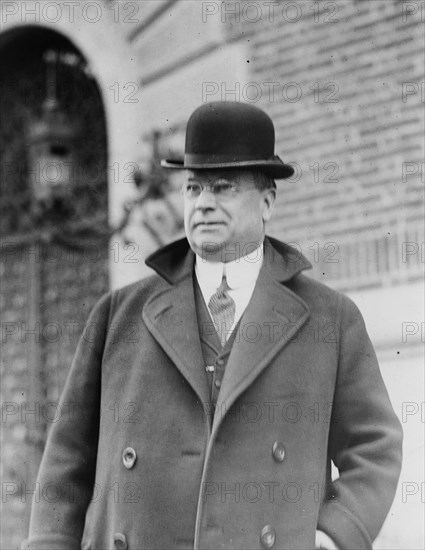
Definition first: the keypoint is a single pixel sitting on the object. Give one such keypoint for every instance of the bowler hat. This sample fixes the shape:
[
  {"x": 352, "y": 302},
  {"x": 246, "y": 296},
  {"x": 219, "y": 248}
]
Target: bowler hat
[{"x": 230, "y": 135}]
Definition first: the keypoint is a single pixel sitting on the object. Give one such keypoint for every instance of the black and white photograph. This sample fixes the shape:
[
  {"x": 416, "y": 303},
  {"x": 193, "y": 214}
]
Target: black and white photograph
[{"x": 212, "y": 274}]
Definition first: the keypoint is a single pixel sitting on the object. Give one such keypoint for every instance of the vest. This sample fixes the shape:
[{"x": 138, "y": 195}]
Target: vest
[{"x": 215, "y": 356}]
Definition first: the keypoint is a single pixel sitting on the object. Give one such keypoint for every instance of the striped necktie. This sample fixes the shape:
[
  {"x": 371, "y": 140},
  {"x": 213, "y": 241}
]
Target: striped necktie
[{"x": 222, "y": 308}]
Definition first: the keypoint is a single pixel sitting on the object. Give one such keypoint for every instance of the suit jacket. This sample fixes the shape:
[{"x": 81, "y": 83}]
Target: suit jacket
[{"x": 138, "y": 460}]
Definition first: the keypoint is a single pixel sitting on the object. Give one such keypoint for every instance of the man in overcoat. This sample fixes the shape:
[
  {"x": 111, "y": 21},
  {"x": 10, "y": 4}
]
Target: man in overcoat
[{"x": 206, "y": 404}]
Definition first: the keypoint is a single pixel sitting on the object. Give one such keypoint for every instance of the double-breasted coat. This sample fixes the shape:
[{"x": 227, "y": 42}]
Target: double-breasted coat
[{"x": 138, "y": 460}]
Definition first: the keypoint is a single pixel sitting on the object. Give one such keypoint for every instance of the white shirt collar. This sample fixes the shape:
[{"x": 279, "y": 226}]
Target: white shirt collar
[{"x": 239, "y": 273}]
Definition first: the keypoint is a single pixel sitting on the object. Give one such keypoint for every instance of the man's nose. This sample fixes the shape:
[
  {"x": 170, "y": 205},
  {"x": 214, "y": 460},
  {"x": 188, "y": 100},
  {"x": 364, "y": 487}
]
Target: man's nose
[{"x": 206, "y": 200}]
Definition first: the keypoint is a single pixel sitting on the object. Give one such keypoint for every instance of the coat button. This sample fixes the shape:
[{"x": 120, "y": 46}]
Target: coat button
[
  {"x": 129, "y": 457},
  {"x": 278, "y": 451},
  {"x": 120, "y": 541},
  {"x": 217, "y": 383},
  {"x": 268, "y": 536},
  {"x": 219, "y": 362}
]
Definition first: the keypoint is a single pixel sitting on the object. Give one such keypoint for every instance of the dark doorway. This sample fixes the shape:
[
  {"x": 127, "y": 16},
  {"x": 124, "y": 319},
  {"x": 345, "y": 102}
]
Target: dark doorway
[{"x": 54, "y": 245}]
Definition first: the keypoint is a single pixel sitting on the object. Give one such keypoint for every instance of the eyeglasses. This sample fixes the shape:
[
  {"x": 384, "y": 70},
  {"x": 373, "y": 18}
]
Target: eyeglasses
[{"x": 221, "y": 189}]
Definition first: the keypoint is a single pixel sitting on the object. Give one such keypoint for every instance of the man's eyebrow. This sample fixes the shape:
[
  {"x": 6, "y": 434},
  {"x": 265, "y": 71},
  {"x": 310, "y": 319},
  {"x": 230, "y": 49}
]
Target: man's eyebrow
[{"x": 209, "y": 179}]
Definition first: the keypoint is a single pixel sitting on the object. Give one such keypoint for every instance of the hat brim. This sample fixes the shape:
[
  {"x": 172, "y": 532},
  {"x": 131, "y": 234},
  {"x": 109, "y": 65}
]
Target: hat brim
[{"x": 274, "y": 168}]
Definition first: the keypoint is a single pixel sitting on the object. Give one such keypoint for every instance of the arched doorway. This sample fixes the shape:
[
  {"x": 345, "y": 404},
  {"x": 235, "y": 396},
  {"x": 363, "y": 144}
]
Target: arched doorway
[{"x": 54, "y": 243}]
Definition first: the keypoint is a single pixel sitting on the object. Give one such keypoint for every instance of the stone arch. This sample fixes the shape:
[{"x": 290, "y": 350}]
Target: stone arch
[{"x": 103, "y": 43}]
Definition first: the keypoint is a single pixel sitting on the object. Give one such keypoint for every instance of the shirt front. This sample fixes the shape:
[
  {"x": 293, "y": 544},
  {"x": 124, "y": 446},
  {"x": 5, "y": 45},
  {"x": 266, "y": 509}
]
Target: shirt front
[{"x": 241, "y": 276}]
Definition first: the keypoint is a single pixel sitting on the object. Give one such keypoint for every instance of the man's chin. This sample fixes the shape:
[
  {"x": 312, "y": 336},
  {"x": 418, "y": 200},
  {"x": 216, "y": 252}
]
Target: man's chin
[{"x": 208, "y": 249}]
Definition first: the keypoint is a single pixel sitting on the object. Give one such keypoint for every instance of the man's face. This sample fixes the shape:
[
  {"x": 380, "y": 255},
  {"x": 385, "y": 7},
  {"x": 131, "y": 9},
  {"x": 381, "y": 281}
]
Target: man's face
[{"x": 224, "y": 225}]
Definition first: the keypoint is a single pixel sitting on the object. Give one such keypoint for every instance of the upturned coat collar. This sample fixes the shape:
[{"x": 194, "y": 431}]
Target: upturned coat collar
[{"x": 175, "y": 261}]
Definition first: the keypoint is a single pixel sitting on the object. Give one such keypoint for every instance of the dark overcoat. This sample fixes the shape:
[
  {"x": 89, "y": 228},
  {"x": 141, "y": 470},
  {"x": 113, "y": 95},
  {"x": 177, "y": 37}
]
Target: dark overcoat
[{"x": 301, "y": 387}]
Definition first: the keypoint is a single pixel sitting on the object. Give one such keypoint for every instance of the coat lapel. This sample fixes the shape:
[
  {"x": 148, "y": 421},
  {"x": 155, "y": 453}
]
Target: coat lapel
[
  {"x": 257, "y": 343},
  {"x": 170, "y": 316}
]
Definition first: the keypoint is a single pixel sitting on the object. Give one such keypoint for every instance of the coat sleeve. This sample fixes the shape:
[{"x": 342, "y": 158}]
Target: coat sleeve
[
  {"x": 68, "y": 466},
  {"x": 364, "y": 443}
]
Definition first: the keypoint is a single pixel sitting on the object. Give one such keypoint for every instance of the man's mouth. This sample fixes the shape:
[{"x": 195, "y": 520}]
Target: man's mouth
[{"x": 209, "y": 223}]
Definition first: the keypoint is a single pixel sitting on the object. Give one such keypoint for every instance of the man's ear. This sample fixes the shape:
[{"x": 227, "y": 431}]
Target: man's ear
[{"x": 269, "y": 197}]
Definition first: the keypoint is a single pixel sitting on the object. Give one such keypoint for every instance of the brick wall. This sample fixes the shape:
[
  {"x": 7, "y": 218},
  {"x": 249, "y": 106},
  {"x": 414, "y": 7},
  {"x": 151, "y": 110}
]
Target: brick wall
[{"x": 348, "y": 111}]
